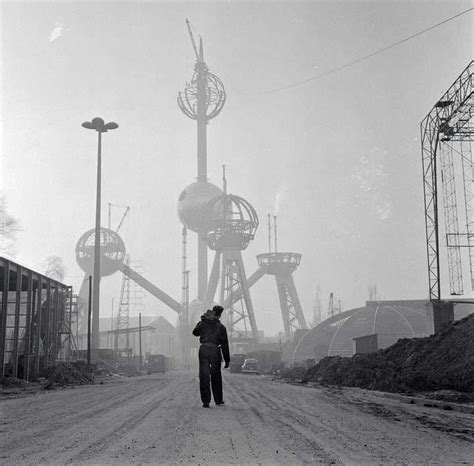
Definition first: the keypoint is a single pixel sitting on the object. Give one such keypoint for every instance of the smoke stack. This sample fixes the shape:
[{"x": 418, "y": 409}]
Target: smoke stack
[
  {"x": 224, "y": 181},
  {"x": 275, "y": 226},
  {"x": 269, "y": 233}
]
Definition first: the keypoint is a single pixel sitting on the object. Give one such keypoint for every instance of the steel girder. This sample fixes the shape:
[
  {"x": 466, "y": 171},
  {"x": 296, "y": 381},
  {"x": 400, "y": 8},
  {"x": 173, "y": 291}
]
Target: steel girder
[{"x": 449, "y": 119}]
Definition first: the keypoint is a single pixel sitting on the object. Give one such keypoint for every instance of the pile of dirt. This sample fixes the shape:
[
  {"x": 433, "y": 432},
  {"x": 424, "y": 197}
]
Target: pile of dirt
[
  {"x": 296, "y": 373},
  {"x": 66, "y": 374},
  {"x": 13, "y": 382},
  {"x": 440, "y": 362}
]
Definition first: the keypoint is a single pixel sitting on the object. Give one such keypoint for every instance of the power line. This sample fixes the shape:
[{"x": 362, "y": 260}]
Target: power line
[{"x": 365, "y": 57}]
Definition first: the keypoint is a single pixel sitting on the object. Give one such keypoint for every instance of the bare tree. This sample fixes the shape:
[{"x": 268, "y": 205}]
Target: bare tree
[
  {"x": 54, "y": 268},
  {"x": 9, "y": 227}
]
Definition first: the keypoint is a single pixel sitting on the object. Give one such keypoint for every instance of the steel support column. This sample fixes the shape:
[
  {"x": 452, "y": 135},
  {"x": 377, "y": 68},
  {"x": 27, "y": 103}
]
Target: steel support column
[
  {"x": 16, "y": 327},
  {"x": 28, "y": 322},
  {"x": 3, "y": 316},
  {"x": 448, "y": 181},
  {"x": 448, "y": 120}
]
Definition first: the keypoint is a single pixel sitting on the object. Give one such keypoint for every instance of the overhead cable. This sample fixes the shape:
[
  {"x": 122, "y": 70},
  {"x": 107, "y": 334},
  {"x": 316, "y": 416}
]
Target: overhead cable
[{"x": 365, "y": 57}]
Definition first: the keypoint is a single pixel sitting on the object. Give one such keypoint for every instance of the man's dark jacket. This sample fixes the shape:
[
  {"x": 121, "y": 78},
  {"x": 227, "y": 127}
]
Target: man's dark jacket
[{"x": 212, "y": 331}]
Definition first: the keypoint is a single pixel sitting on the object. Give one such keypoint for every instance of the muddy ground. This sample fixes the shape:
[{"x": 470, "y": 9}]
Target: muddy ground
[{"x": 159, "y": 419}]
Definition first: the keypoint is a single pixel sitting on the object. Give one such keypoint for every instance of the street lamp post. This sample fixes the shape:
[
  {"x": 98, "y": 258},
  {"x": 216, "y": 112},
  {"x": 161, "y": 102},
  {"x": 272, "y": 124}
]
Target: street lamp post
[{"x": 97, "y": 124}]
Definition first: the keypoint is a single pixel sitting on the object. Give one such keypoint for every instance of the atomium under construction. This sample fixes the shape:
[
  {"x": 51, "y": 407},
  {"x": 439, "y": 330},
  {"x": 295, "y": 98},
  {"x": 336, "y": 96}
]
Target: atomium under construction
[{"x": 223, "y": 222}]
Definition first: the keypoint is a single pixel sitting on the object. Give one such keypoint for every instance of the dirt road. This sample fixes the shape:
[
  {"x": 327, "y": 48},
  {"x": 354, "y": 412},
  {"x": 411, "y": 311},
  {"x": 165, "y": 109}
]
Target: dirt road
[{"x": 159, "y": 419}]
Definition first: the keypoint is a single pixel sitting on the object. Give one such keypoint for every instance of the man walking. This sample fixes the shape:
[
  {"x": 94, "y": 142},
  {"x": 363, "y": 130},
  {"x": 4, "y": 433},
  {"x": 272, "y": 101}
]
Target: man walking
[{"x": 213, "y": 338}]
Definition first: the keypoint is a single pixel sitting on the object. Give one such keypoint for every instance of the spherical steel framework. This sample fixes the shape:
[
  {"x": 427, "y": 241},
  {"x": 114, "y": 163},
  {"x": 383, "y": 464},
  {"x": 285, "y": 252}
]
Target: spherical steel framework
[
  {"x": 215, "y": 94},
  {"x": 232, "y": 222},
  {"x": 112, "y": 251},
  {"x": 192, "y": 204}
]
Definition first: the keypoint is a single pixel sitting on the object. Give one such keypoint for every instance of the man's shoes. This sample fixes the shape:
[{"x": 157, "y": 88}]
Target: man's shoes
[
  {"x": 220, "y": 403},
  {"x": 205, "y": 405}
]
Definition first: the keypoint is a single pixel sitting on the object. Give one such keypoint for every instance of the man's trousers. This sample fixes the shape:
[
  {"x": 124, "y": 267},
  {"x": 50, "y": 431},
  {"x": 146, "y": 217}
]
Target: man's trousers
[{"x": 210, "y": 373}]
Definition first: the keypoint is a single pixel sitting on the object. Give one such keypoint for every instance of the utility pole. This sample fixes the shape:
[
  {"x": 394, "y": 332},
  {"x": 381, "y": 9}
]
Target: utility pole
[
  {"x": 140, "y": 337},
  {"x": 89, "y": 312}
]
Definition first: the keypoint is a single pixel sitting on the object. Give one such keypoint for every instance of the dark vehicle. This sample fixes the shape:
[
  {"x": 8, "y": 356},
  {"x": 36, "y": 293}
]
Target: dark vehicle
[
  {"x": 156, "y": 363},
  {"x": 268, "y": 360},
  {"x": 250, "y": 367},
  {"x": 236, "y": 362}
]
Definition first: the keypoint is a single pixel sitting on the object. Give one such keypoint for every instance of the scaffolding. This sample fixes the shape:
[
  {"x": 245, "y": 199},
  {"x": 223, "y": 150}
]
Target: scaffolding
[
  {"x": 122, "y": 336},
  {"x": 34, "y": 321},
  {"x": 447, "y": 131}
]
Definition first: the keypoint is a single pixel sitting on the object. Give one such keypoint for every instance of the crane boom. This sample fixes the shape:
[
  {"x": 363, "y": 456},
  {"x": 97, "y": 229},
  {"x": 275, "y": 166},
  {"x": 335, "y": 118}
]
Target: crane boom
[
  {"x": 188, "y": 24},
  {"x": 123, "y": 218}
]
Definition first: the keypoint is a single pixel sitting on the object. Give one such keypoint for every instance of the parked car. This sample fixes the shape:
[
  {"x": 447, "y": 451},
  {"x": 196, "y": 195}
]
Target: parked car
[
  {"x": 156, "y": 363},
  {"x": 236, "y": 361},
  {"x": 250, "y": 366}
]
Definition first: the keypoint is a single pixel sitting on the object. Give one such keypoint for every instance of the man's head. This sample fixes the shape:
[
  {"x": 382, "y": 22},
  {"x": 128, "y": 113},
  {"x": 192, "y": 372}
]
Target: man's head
[{"x": 218, "y": 310}]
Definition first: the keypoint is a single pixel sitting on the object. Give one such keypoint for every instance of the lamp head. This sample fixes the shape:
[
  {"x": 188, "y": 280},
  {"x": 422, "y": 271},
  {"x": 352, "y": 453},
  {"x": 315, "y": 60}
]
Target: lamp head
[
  {"x": 111, "y": 125},
  {"x": 99, "y": 125}
]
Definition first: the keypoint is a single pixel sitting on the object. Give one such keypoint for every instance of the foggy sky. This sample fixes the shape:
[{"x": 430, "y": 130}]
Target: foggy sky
[{"x": 338, "y": 158}]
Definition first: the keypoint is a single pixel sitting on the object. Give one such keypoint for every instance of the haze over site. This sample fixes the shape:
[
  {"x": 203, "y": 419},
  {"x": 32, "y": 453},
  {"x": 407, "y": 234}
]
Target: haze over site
[{"x": 338, "y": 159}]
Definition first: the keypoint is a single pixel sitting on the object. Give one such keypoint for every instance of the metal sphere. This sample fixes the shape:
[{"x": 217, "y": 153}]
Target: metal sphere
[
  {"x": 233, "y": 224},
  {"x": 112, "y": 251},
  {"x": 215, "y": 96},
  {"x": 191, "y": 203}
]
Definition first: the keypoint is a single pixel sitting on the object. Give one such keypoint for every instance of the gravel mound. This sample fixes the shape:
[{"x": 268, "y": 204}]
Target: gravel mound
[{"x": 439, "y": 362}]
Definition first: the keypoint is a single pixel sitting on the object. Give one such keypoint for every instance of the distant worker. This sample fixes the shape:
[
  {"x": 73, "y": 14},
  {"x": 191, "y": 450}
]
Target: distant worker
[{"x": 213, "y": 338}]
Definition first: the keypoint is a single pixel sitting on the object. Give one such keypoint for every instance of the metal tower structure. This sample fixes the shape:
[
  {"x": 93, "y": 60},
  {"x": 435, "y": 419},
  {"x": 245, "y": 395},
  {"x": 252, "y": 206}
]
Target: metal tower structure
[
  {"x": 331, "y": 305},
  {"x": 234, "y": 223},
  {"x": 282, "y": 265},
  {"x": 184, "y": 316},
  {"x": 112, "y": 254},
  {"x": 122, "y": 339},
  {"x": 137, "y": 293},
  {"x": 317, "y": 308},
  {"x": 202, "y": 100},
  {"x": 451, "y": 222},
  {"x": 448, "y": 128},
  {"x": 69, "y": 325},
  {"x": 112, "y": 257}
]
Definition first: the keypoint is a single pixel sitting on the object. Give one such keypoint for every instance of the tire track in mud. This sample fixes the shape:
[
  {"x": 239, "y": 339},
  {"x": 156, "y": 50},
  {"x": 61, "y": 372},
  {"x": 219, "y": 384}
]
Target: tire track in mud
[
  {"x": 47, "y": 408},
  {"x": 290, "y": 442},
  {"x": 161, "y": 421},
  {"x": 382, "y": 425},
  {"x": 251, "y": 430},
  {"x": 458, "y": 425},
  {"x": 119, "y": 431},
  {"x": 330, "y": 431},
  {"x": 69, "y": 417},
  {"x": 290, "y": 426},
  {"x": 118, "y": 443}
]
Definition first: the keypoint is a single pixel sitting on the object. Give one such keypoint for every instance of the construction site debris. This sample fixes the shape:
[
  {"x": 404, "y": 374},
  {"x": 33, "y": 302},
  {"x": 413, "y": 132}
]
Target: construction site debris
[
  {"x": 439, "y": 362},
  {"x": 13, "y": 382},
  {"x": 67, "y": 374}
]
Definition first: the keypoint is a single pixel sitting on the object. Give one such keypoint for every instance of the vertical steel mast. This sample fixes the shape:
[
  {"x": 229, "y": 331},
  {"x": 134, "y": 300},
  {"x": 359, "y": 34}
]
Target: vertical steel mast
[
  {"x": 202, "y": 100},
  {"x": 449, "y": 121}
]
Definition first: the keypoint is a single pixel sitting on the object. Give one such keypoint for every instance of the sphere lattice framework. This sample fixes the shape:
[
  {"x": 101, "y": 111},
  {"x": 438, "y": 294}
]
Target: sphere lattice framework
[
  {"x": 215, "y": 94},
  {"x": 112, "y": 251},
  {"x": 234, "y": 222},
  {"x": 192, "y": 202}
]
